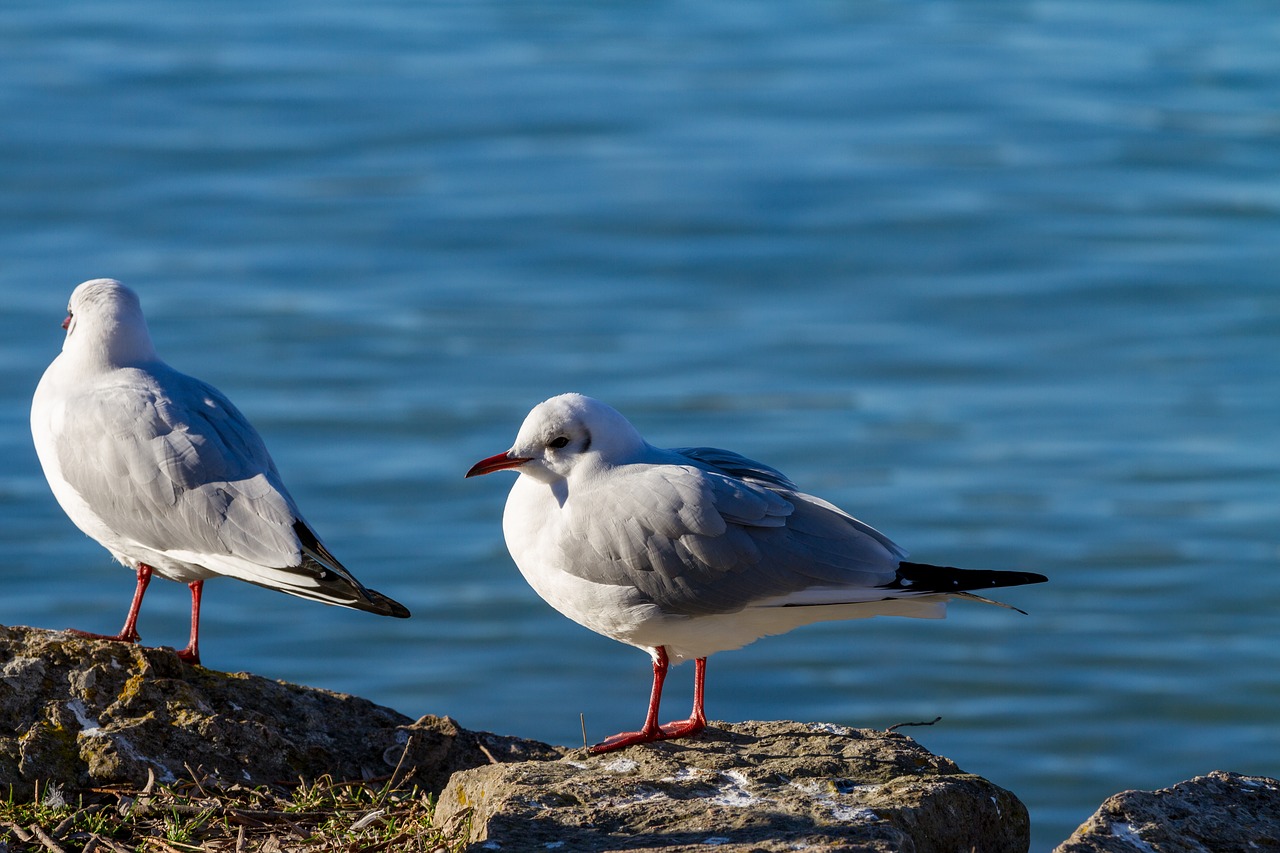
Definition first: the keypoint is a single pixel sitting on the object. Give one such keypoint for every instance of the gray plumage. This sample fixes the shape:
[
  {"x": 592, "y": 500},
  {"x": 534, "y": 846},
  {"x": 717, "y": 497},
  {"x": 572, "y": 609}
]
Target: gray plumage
[
  {"x": 164, "y": 471},
  {"x": 727, "y": 537}
]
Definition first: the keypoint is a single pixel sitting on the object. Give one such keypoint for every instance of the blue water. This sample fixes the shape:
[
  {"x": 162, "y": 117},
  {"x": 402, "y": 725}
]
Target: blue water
[{"x": 998, "y": 277}]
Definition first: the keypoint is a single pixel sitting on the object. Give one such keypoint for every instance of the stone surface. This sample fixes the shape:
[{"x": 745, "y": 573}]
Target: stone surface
[
  {"x": 89, "y": 713},
  {"x": 86, "y": 713},
  {"x": 739, "y": 787},
  {"x": 1220, "y": 812}
]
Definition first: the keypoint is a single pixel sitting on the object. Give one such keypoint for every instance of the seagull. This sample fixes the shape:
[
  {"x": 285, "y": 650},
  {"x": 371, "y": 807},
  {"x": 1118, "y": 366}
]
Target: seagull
[
  {"x": 690, "y": 551},
  {"x": 166, "y": 474}
]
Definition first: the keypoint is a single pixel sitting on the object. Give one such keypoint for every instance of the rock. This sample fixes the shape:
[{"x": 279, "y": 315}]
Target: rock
[
  {"x": 750, "y": 786},
  {"x": 90, "y": 713},
  {"x": 84, "y": 713},
  {"x": 1220, "y": 812}
]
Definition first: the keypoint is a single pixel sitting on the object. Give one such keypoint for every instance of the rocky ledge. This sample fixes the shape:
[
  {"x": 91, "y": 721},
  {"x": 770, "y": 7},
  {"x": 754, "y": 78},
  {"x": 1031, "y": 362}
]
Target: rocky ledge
[
  {"x": 1219, "y": 812},
  {"x": 741, "y": 787},
  {"x": 91, "y": 714}
]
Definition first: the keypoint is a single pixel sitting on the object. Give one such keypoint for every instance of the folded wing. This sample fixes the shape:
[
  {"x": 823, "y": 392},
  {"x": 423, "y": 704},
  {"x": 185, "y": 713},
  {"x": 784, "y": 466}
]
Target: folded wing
[{"x": 719, "y": 533}]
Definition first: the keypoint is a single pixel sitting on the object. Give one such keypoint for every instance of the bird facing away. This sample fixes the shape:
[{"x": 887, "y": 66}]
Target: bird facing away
[
  {"x": 692, "y": 551},
  {"x": 166, "y": 474}
]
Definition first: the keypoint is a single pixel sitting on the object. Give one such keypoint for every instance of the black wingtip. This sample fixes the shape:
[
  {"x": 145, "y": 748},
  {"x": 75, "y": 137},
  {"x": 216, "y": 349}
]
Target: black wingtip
[
  {"x": 922, "y": 577},
  {"x": 384, "y": 606},
  {"x": 334, "y": 573}
]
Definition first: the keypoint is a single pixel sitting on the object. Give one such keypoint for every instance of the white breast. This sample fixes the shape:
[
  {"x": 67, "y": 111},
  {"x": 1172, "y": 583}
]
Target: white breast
[{"x": 533, "y": 526}]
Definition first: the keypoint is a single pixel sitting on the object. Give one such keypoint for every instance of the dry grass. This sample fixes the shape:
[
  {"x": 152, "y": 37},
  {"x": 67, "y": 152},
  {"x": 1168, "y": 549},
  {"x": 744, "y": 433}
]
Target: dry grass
[{"x": 320, "y": 816}]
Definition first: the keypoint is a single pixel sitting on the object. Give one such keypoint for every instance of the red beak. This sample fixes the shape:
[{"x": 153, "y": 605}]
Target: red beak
[
  {"x": 67, "y": 322},
  {"x": 496, "y": 463}
]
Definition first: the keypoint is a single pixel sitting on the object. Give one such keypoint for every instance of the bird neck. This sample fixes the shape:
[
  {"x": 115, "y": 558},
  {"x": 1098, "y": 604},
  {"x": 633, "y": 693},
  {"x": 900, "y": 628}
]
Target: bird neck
[{"x": 111, "y": 345}]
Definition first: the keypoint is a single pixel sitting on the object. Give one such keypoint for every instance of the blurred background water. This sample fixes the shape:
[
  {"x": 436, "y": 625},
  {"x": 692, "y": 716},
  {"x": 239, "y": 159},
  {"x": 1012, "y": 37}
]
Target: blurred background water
[{"x": 998, "y": 277}]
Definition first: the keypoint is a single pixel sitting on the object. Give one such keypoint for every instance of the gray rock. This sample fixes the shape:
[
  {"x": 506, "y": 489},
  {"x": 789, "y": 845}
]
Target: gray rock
[
  {"x": 751, "y": 786},
  {"x": 83, "y": 713},
  {"x": 88, "y": 713},
  {"x": 1217, "y": 813}
]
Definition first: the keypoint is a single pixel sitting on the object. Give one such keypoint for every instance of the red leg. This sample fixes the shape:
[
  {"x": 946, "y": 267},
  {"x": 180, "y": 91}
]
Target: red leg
[
  {"x": 191, "y": 654},
  {"x": 129, "y": 633},
  {"x": 652, "y": 731},
  {"x": 698, "y": 717}
]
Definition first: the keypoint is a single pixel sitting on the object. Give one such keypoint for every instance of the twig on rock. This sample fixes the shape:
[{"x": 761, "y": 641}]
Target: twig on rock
[
  {"x": 103, "y": 842},
  {"x": 904, "y": 725},
  {"x": 166, "y": 846},
  {"x": 262, "y": 817},
  {"x": 384, "y": 845},
  {"x": 404, "y": 753},
  {"x": 151, "y": 782},
  {"x": 487, "y": 753},
  {"x": 196, "y": 780},
  {"x": 44, "y": 838}
]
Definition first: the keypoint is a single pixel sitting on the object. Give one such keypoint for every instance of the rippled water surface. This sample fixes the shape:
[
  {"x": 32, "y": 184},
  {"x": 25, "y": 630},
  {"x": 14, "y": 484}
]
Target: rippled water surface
[{"x": 998, "y": 277}]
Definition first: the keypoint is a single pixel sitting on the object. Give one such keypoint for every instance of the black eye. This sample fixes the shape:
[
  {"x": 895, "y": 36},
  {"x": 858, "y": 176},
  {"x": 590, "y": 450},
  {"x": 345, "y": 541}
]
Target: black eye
[{"x": 558, "y": 443}]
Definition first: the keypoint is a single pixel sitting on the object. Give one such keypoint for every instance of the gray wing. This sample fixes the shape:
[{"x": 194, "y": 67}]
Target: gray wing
[
  {"x": 696, "y": 541},
  {"x": 168, "y": 462},
  {"x": 832, "y": 526},
  {"x": 736, "y": 465}
]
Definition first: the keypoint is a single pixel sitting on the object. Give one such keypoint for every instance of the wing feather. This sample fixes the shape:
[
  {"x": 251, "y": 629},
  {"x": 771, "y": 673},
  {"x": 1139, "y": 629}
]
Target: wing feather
[
  {"x": 195, "y": 478},
  {"x": 717, "y": 534}
]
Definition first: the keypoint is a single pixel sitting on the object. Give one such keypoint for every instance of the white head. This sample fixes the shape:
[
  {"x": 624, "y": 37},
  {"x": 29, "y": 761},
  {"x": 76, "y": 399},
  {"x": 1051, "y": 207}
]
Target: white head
[
  {"x": 104, "y": 321},
  {"x": 566, "y": 433}
]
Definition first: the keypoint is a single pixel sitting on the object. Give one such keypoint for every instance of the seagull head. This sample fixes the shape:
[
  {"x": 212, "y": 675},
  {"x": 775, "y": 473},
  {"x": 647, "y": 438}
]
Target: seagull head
[
  {"x": 565, "y": 434},
  {"x": 104, "y": 320}
]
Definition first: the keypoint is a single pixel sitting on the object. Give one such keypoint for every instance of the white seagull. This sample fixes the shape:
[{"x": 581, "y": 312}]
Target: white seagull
[
  {"x": 691, "y": 551},
  {"x": 166, "y": 474}
]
